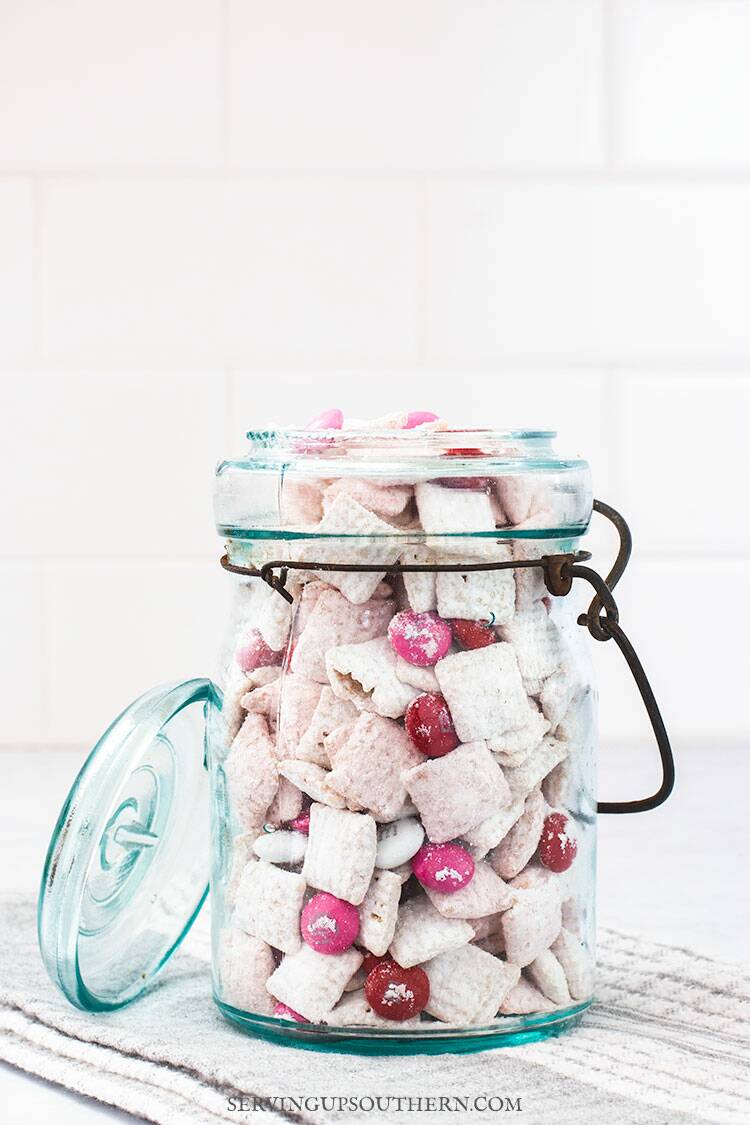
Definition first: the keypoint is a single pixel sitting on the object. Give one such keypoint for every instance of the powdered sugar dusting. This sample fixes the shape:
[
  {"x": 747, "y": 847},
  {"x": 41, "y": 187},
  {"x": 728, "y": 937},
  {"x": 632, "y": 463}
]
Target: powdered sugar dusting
[
  {"x": 448, "y": 873},
  {"x": 324, "y": 922},
  {"x": 397, "y": 994}
]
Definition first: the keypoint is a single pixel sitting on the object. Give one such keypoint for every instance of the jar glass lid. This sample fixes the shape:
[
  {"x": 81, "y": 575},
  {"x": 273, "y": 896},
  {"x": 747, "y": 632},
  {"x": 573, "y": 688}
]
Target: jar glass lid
[{"x": 127, "y": 867}]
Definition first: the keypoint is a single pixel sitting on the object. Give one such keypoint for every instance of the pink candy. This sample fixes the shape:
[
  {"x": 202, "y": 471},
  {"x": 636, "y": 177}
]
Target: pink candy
[
  {"x": 327, "y": 420},
  {"x": 284, "y": 1012},
  {"x": 255, "y": 653},
  {"x": 418, "y": 418},
  {"x": 443, "y": 867},
  {"x": 329, "y": 924},
  {"x": 420, "y": 638},
  {"x": 301, "y": 824}
]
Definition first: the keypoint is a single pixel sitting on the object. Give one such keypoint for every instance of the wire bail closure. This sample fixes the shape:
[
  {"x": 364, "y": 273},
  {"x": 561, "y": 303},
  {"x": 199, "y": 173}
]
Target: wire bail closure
[{"x": 602, "y": 619}]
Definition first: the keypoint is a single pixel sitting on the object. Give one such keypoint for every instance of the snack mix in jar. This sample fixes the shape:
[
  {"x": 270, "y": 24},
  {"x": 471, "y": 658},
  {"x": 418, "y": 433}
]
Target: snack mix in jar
[
  {"x": 393, "y": 781},
  {"x": 406, "y": 767}
]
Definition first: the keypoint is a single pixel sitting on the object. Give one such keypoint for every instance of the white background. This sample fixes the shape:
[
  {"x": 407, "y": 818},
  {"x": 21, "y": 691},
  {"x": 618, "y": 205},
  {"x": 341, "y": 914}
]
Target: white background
[{"x": 216, "y": 213}]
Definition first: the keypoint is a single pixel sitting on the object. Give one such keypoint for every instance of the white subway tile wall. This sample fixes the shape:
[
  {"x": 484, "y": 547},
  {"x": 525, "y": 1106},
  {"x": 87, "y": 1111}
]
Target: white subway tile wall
[
  {"x": 426, "y": 84},
  {"x": 685, "y": 82},
  {"x": 101, "y": 84},
  {"x": 16, "y": 269},
  {"x": 219, "y": 213}
]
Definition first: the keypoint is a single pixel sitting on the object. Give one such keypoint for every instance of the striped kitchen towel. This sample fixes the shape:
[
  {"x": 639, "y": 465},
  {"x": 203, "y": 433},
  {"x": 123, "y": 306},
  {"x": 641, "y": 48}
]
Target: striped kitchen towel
[{"x": 668, "y": 1040}]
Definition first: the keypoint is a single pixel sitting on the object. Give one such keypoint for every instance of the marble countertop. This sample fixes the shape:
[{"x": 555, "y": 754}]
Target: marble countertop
[{"x": 674, "y": 875}]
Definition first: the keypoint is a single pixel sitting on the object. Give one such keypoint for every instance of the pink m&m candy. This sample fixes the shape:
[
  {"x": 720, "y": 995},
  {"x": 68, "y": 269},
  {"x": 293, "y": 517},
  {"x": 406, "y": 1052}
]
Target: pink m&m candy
[
  {"x": 443, "y": 867},
  {"x": 418, "y": 418},
  {"x": 284, "y": 1012},
  {"x": 420, "y": 638},
  {"x": 327, "y": 420},
  {"x": 329, "y": 924},
  {"x": 255, "y": 653}
]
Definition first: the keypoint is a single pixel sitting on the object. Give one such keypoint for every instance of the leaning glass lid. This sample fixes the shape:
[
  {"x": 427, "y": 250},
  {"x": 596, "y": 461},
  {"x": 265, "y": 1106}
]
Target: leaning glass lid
[{"x": 127, "y": 867}]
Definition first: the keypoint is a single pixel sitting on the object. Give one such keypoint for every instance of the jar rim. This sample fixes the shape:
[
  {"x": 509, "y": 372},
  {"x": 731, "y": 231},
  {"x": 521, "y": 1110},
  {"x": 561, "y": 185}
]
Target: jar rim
[
  {"x": 415, "y": 433},
  {"x": 250, "y": 489},
  {"x": 456, "y": 450}
]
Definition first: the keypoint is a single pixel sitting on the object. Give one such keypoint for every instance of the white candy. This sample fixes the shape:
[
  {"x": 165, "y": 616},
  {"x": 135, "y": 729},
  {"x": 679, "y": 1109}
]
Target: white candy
[
  {"x": 281, "y": 847},
  {"x": 398, "y": 842}
]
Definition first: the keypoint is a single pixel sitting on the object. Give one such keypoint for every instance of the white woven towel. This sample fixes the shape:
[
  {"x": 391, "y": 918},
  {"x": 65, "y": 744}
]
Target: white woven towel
[{"x": 668, "y": 1041}]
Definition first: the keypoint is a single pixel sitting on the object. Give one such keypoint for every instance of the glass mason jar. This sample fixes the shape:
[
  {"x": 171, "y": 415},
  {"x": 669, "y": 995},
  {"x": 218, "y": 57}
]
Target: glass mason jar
[{"x": 400, "y": 753}]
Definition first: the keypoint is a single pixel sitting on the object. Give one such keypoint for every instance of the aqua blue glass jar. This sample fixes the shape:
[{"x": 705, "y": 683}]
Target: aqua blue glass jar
[{"x": 392, "y": 776}]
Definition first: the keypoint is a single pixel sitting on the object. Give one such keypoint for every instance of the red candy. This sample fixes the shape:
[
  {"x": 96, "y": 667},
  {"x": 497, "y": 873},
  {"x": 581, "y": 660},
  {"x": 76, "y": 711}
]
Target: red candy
[
  {"x": 557, "y": 849},
  {"x": 472, "y": 634},
  {"x": 443, "y": 867},
  {"x": 301, "y": 824},
  {"x": 473, "y": 484},
  {"x": 420, "y": 638},
  {"x": 396, "y": 993},
  {"x": 430, "y": 726},
  {"x": 255, "y": 653},
  {"x": 284, "y": 1012},
  {"x": 370, "y": 960},
  {"x": 329, "y": 924}
]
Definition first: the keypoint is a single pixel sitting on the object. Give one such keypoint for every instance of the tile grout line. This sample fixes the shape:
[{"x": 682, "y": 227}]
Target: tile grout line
[
  {"x": 677, "y": 175},
  {"x": 669, "y": 366}
]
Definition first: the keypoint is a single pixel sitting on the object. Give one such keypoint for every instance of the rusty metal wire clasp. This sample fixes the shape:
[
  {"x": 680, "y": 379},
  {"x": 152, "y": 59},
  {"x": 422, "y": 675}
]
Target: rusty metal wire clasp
[{"x": 602, "y": 619}]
